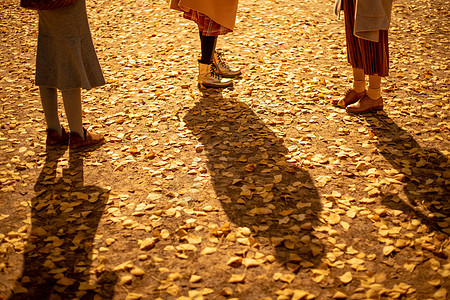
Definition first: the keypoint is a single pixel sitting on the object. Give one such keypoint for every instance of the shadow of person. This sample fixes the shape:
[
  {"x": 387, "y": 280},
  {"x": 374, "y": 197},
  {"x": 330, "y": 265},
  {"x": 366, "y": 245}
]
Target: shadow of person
[
  {"x": 259, "y": 188},
  {"x": 422, "y": 171},
  {"x": 64, "y": 219}
]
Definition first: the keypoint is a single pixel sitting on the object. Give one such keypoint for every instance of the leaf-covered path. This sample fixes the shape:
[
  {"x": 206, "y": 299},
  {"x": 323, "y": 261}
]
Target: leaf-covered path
[{"x": 263, "y": 191}]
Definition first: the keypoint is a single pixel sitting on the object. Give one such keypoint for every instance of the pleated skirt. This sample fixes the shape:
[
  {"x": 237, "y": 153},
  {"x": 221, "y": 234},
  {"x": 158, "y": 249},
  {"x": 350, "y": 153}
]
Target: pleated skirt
[
  {"x": 66, "y": 57},
  {"x": 373, "y": 57},
  {"x": 206, "y": 25}
]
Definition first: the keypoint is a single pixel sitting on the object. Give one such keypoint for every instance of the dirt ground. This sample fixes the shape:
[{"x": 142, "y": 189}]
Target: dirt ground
[{"x": 261, "y": 191}]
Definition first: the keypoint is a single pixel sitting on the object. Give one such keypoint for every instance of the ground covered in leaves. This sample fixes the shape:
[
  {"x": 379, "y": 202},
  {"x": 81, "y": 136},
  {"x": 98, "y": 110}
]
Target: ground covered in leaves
[{"x": 263, "y": 191}]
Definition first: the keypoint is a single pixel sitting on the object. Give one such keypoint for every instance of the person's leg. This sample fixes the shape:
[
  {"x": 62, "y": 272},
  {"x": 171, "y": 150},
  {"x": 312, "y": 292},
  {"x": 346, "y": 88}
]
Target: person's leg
[
  {"x": 79, "y": 137},
  {"x": 223, "y": 69},
  {"x": 72, "y": 105},
  {"x": 56, "y": 135},
  {"x": 353, "y": 94},
  {"x": 374, "y": 91},
  {"x": 207, "y": 75},
  {"x": 354, "y": 58},
  {"x": 376, "y": 57},
  {"x": 49, "y": 100},
  {"x": 208, "y": 44},
  {"x": 359, "y": 80},
  {"x": 372, "y": 101}
]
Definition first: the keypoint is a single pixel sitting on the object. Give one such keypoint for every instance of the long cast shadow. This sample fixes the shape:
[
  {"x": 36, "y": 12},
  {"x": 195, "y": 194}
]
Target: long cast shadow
[
  {"x": 258, "y": 187},
  {"x": 64, "y": 218},
  {"x": 422, "y": 170}
]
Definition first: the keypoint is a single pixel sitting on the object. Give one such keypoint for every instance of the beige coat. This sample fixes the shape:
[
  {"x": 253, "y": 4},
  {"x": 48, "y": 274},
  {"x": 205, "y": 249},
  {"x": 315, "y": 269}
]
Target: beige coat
[
  {"x": 222, "y": 12},
  {"x": 370, "y": 17}
]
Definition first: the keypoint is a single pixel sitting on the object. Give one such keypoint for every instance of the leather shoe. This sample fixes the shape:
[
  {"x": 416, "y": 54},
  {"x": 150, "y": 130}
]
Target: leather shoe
[
  {"x": 91, "y": 138},
  {"x": 350, "y": 97},
  {"x": 365, "y": 105},
  {"x": 54, "y": 139}
]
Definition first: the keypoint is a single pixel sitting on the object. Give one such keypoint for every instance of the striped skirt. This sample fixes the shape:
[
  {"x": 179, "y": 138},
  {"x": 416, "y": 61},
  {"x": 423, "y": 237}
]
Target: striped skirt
[
  {"x": 373, "y": 57},
  {"x": 206, "y": 26}
]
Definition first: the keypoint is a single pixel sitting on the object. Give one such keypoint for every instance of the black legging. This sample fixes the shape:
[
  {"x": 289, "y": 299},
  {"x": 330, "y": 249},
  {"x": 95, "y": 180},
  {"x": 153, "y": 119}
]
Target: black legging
[{"x": 208, "y": 45}]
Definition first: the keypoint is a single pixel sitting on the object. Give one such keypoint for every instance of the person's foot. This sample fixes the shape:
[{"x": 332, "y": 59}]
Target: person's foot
[
  {"x": 222, "y": 68},
  {"x": 208, "y": 77},
  {"x": 350, "y": 97},
  {"x": 54, "y": 138},
  {"x": 365, "y": 105},
  {"x": 90, "y": 139}
]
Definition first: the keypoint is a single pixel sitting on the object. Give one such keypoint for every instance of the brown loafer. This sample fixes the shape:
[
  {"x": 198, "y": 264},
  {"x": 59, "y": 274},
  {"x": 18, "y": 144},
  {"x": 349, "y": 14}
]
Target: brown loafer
[
  {"x": 350, "y": 97},
  {"x": 91, "y": 138},
  {"x": 54, "y": 139},
  {"x": 365, "y": 105}
]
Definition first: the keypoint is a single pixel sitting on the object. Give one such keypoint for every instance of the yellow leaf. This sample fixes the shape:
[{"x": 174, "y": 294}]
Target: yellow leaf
[
  {"x": 38, "y": 231},
  {"x": 287, "y": 278},
  {"x": 333, "y": 219},
  {"x": 289, "y": 244},
  {"x": 339, "y": 295},
  {"x": 346, "y": 278},
  {"x": 193, "y": 239},
  {"x": 174, "y": 276},
  {"x": 409, "y": 266},
  {"x": 435, "y": 282},
  {"x": 173, "y": 290},
  {"x": 277, "y": 178},
  {"x": 345, "y": 225},
  {"x": 351, "y": 251},
  {"x": 207, "y": 291},
  {"x": 355, "y": 261},
  {"x": 250, "y": 262},
  {"x": 186, "y": 247},
  {"x": 300, "y": 294},
  {"x": 123, "y": 266},
  {"x": 388, "y": 250},
  {"x": 380, "y": 277},
  {"x": 66, "y": 281},
  {"x": 277, "y": 276},
  {"x": 134, "y": 296},
  {"x": 195, "y": 278},
  {"x": 237, "y": 278},
  {"x": 137, "y": 272},
  {"x": 435, "y": 264},
  {"x": 84, "y": 286},
  {"x": 165, "y": 233},
  {"x": 286, "y": 212},
  {"x": 208, "y": 250},
  {"x": 250, "y": 167},
  {"x": 318, "y": 275},
  {"x": 235, "y": 261}
]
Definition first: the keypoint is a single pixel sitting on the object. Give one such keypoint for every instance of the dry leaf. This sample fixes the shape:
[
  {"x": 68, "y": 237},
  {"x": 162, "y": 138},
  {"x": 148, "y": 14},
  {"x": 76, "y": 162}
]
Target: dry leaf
[
  {"x": 237, "y": 278},
  {"x": 346, "y": 278}
]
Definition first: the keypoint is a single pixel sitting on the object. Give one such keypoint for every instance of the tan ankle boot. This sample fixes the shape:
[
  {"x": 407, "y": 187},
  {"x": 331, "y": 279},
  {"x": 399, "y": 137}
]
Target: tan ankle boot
[
  {"x": 222, "y": 67},
  {"x": 208, "y": 78}
]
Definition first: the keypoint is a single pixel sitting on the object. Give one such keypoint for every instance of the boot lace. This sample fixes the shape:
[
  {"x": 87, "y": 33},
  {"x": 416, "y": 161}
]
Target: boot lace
[
  {"x": 213, "y": 72},
  {"x": 221, "y": 59}
]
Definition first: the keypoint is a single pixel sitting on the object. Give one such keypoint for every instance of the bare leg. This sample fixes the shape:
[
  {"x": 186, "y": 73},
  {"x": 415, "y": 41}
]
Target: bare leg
[
  {"x": 72, "y": 105},
  {"x": 49, "y": 100}
]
